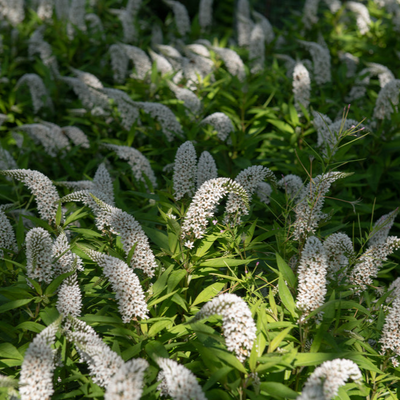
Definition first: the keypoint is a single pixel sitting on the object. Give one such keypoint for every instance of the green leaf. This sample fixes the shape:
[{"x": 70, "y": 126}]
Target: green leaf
[
  {"x": 178, "y": 299},
  {"x": 278, "y": 390},
  {"x": 56, "y": 283},
  {"x": 286, "y": 297},
  {"x": 311, "y": 359},
  {"x": 159, "y": 326},
  {"x": 160, "y": 299},
  {"x": 14, "y": 304},
  {"x": 277, "y": 340},
  {"x": 286, "y": 271},
  {"x": 342, "y": 394},
  {"x": 86, "y": 232},
  {"x": 36, "y": 285},
  {"x": 216, "y": 377},
  {"x": 205, "y": 244},
  {"x": 20, "y": 232},
  {"x": 102, "y": 319},
  {"x": 364, "y": 363},
  {"x": 224, "y": 261},
  {"x": 7, "y": 350},
  {"x": 78, "y": 214},
  {"x": 229, "y": 359},
  {"x": 208, "y": 293},
  {"x": 342, "y": 304},
  {"x": 293, "y": 115},
  {"x": 318, "y": 338},
  {"x": 40, "y": 222},
  {"x": 160, "y": 283},
  {"x": 268, "y": 363},
  {"x": 155, "y": 349},
  {"x": 172, "y": 241},
  {"x": 131, "y": 351},
  {"x": 49, "y": 315},
  {"x": 283, "y": 126},
  {"x": 30, "y": 326},
  {"x": 174, "y": 278},
  {"x": 157, "y": 236},
  {"x": 218, "y": 394}
]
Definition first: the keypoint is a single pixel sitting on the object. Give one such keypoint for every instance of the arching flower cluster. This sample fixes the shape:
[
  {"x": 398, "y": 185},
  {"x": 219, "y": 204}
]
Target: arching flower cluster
[
  {"x": 126, "y": 285},
  {"x": 202, "y": 207},
  {"x": 325, "y": 381},
  {"x": 47, "y": 260},
  {"x": 249, "y": 179},
  {"x": 312, "y": 276},
  {"x": 309, "y": 208},
  {"x": 237, "y": 322},
  {"x": 36, "y": 381},
  {"x": 177, "y": 381}
]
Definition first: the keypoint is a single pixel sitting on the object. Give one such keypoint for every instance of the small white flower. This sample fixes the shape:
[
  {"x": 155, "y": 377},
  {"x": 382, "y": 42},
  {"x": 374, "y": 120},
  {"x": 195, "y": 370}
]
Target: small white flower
[
  {"x": 351, "y": 63},
  {"x": 381, "y": 229},
  {"x": 339, "y": 249},
  {"x": 190, "y": 100},
  {"x": 189, "y": 244},
  {"x": 269, "y": 34},
  {"x": 140, "y": 60},
  {"x": 263, "y": 192}
]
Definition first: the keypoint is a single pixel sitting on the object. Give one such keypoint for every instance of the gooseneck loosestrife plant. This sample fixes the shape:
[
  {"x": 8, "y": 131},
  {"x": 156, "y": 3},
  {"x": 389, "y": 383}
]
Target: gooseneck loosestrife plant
[{"x": 187, "y": 211}]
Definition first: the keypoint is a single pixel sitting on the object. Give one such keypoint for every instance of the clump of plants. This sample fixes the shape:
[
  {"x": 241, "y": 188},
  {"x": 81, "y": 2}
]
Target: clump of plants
[{"x": 193, "y": 213}]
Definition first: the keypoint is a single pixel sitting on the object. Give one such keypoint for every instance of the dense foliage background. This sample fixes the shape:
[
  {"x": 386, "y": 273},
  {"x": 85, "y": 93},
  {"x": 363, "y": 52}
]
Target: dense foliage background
[{"x": 257, "y": 259}]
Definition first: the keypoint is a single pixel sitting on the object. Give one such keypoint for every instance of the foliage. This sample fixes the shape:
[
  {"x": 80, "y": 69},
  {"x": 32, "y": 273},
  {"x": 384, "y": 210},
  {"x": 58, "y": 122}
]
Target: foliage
[{"x": 258, "y": 254}]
